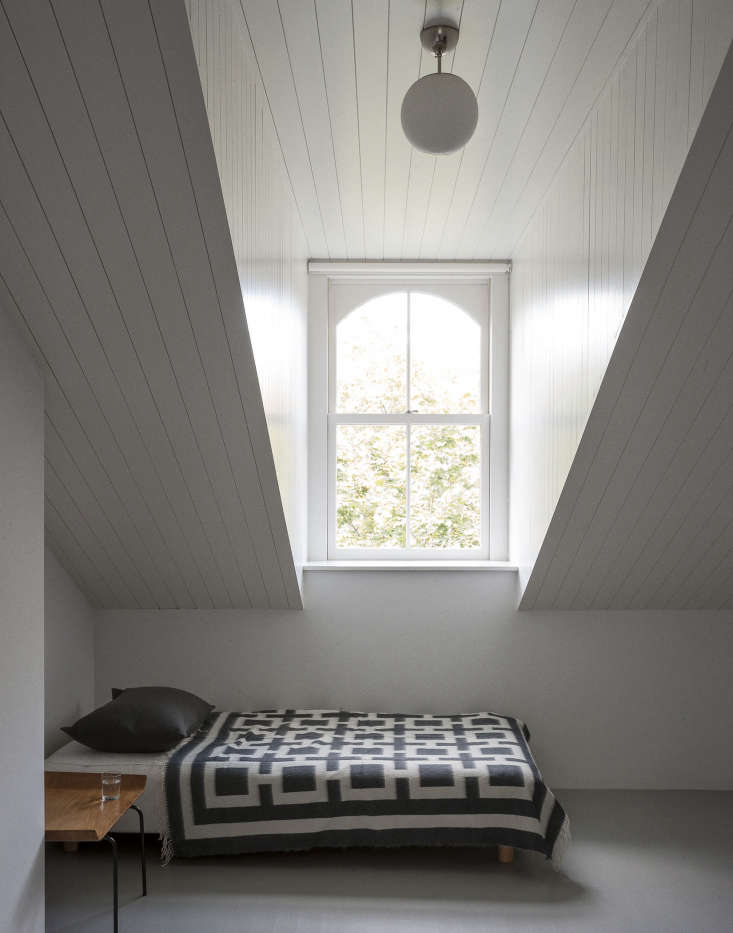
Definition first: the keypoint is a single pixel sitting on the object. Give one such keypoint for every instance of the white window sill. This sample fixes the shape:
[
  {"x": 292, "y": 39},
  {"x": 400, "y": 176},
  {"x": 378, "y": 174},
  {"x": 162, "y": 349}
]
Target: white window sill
[{"x": 492, "y": 566}]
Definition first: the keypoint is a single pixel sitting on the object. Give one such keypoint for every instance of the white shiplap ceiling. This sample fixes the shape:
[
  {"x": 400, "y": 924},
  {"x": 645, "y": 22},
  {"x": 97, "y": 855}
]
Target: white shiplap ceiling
[
  {"x": 645, "y": 518},
  {"x": 118, "y": 265},
  {"x": 335, "y": 73}
]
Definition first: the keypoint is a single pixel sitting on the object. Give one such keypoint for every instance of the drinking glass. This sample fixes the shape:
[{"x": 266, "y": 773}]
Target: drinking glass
[{"x": 111, "y": 786}]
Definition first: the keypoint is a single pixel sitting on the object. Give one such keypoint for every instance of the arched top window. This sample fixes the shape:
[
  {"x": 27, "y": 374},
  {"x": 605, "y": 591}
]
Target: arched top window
[
  {"x": 408, "y": 351},
  {"x": 408, "y": 421}
]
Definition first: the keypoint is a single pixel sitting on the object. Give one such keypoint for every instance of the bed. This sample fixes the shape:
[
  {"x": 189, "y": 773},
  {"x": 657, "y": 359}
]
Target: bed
[{"x": 276, "y": 780}]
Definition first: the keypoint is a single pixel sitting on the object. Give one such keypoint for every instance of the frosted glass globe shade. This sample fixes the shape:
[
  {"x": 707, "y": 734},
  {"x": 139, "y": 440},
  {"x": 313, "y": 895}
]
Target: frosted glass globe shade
[{"x": 439, "y": 113}]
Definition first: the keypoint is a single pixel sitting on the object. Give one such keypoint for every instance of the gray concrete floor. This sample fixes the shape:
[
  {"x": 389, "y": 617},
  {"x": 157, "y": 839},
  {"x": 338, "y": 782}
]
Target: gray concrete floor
[{"x": 639, "y": 861}]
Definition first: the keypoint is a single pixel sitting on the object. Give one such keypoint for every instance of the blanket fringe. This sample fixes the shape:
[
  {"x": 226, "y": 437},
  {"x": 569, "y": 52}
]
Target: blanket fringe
[
  {"x": 561, "y": 844},
  {"x": 166, "y": 848},
  {"x": 166, "y": 843}
]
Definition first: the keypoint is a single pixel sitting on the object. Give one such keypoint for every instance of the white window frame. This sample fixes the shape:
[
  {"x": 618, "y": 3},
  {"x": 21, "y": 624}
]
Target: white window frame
[{"x": 322, "y": 419}]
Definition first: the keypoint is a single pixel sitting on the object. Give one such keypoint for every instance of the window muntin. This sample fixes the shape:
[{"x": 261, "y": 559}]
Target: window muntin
[{"x": 408, "y": 422}]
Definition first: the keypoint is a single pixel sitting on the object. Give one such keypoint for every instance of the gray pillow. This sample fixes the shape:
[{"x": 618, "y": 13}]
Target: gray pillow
[{"x": 141, "y": 719}]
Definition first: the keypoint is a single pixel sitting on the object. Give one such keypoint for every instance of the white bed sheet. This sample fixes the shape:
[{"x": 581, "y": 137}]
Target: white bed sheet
[{"x": 76, "y": 757}]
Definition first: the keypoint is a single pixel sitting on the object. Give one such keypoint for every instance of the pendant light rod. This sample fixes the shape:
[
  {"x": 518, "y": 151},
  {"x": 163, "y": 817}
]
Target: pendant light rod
[{"x": 439, "y": 111}]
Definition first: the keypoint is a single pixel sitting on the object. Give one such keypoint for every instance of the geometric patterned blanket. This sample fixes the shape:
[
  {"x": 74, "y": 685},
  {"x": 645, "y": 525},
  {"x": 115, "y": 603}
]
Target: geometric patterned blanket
[{"x": 296, "y": 779}]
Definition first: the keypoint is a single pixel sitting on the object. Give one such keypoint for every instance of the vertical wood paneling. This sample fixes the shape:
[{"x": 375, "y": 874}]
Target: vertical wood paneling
[
  {"x": 403, "y": 68},
  {"x": 583, "y": 25},
  {"x": 422, "y": 167},
  {"x": 618, "y": 28},
  {"x": 336, "y": 44},
  {"x": 370, "y": 61},
  {"x": 264, "y": 26},
  {"x": 478, "y": 24},
  {"x": 576, "y": 270},
  {"x": 300, "y": 30},
  {"x": 543, "y": 44},
  {"x": 510, "y": 34}
]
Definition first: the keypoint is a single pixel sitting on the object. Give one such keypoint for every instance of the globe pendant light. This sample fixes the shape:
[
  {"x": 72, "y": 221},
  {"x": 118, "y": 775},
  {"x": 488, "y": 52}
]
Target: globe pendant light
[{"x": 439, "y": 112}]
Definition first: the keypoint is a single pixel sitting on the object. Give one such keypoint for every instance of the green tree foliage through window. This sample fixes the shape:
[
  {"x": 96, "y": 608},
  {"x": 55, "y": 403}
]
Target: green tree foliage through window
[{"x": 430, "y": 470}]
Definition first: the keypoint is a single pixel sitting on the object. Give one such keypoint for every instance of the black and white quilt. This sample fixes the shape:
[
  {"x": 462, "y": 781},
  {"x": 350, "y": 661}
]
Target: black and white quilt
[{"x": 296, "y": 779}]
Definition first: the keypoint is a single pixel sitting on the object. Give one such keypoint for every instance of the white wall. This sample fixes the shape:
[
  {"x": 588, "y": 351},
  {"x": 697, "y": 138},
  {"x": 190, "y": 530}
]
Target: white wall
[
  {"x": 21, "y": 636},
  {"x": 578, "y": 263},
  {"x": 68, "y": 651},
  {"x": 623, "y": 699},
  {"x": 268, "y": 239}
]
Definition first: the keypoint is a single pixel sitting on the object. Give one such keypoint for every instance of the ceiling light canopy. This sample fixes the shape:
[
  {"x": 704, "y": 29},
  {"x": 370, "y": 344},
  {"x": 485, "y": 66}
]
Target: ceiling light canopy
[{"x": 439, "y": 112}]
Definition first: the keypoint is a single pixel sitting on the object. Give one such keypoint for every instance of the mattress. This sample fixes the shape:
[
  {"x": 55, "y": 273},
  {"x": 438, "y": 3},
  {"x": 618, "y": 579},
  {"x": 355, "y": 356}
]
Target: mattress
[
  {"x": 296, "y": 779},
  {"x": 76, "y": 757}
]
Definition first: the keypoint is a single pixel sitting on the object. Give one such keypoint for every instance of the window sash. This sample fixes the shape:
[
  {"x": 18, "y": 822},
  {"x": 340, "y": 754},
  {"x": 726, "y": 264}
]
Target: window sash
[
  {"x": 438, "y": 289},
  {"x": 326, "y": 297},
  {"x": 408, "y": 418},
  {"x": 409, "y": 553}
]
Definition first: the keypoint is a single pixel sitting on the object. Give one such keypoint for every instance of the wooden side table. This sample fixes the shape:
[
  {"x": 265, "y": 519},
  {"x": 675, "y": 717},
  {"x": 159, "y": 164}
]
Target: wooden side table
[{"x": 75, "y": 813}]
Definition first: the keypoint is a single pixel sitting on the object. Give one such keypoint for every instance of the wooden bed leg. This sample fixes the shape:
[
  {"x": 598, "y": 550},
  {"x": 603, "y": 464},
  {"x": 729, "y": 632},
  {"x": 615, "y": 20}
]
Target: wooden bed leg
[
  {"x": 71, "y": 846},
  {"x": 505, "y": 854}
]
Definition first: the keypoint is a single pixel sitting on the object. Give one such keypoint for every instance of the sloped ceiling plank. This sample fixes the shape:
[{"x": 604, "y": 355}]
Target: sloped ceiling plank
[
  {"x": 161, "y": 323},
  {"x": 76, "y": 561},
  {"x": 243, "y": 393},
  {"x": 136, "y": 49},
  {"x": 74, "y": 518},
  {"x": 667, "y": 537},
  {"x": 268, "y": 241},
  {"x": 664, "y": 403},
  {"x": 37, "y": 314},
  {"x": 160, "y": 446},
  {"x": 64, "y": 261},
  {"x": 265, "y": 28},
  {"x": 108, "y": 278},
  {"x": 60, "y": 461},
  {"x": 697, "y": 374},
  {"x": 571, "y": 292},
  {"x": 66, "y": 425},
  {"x": 159, "y": 319}
]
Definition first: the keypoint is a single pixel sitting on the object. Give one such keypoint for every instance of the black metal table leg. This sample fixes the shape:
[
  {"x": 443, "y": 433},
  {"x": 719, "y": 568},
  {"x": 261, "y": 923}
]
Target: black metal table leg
[
  {"x": 111, "y": 841},
  {"x": 142, "y": 847}
]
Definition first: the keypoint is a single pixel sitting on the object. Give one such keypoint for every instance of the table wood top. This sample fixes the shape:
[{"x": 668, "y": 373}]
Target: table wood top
[{"x": 74, "y": 808}]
